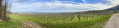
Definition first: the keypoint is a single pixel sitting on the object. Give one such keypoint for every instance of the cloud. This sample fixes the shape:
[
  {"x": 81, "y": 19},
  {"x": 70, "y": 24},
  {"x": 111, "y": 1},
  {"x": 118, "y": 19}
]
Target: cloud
[
  {"x": 23, "y": 1},
  {"x": 58, "y": 6},
  {"x": 114, "y": 2},
  {"x": 84, "y": 1}
]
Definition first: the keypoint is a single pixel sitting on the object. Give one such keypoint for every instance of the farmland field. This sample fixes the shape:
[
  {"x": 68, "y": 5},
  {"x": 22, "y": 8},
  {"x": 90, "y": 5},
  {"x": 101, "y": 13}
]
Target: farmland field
[
  {"x": 66, "y": 21},
  {"x": 11, "y": 24}
]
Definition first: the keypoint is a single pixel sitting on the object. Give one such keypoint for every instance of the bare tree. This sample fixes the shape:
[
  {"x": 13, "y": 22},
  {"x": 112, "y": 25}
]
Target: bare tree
[
  {"x": 78, "y": 17},
  {"x": 72, "y": 17},
  {"x": 3, "y": 10}
]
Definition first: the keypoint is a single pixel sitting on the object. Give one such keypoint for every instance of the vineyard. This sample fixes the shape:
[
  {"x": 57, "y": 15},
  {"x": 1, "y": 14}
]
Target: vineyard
[{"x": 67, "y": 21}]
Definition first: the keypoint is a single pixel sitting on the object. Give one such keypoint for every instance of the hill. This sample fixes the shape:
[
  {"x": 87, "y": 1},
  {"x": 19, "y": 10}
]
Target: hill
[{"x": 105, "y": 11}]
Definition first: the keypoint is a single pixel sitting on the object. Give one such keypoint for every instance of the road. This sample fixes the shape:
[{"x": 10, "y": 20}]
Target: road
[{"x": 113, "y": 22}]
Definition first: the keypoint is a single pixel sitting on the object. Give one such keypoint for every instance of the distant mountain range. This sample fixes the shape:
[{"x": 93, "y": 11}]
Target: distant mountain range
[
  {"x": 114, "y": 8},
  {"x": 109, "y": 10}
]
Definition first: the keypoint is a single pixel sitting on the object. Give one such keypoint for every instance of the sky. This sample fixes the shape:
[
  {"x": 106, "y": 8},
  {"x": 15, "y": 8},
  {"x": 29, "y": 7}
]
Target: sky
[{"x": 60, "y": 6}]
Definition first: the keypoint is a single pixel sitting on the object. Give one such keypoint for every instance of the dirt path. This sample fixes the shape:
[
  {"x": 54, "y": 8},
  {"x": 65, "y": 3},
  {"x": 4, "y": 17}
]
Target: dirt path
[
  {"x": 113, "y": 22},
  {"x": 28, "y": 24}
]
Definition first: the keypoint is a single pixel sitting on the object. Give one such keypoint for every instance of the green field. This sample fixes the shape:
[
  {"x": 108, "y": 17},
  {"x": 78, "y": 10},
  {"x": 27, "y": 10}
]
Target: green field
[
  {"x": 11, "y": 24},
  {"x": 64, "y": 21}
]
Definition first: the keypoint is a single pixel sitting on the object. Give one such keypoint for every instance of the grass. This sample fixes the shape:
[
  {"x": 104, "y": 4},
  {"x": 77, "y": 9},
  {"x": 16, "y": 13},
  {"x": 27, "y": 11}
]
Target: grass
[
  {"x": 11, "y": 24},
  {"x": 64, "y": 21}
]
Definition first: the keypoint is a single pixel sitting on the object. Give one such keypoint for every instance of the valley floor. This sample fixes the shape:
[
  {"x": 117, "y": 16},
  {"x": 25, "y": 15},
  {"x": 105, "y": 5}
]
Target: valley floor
[{"x": 33, "y": 21}]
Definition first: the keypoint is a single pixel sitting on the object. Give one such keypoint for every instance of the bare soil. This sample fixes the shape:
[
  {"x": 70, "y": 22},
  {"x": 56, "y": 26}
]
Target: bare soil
[{"x": 29, "y": 24}]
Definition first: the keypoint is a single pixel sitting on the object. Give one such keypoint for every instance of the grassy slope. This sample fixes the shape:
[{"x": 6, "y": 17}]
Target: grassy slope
[
  {"x": 94, "y": 23},
  {"x": 12, "y": 24}
]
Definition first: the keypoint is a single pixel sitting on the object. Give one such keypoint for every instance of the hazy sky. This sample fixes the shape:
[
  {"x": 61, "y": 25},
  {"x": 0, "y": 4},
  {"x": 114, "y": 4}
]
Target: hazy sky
[{"x": 58, "y": 6}]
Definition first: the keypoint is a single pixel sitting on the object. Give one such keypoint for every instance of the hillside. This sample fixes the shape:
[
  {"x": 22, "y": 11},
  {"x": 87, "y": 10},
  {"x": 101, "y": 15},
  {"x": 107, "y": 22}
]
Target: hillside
[{"x": 105, "y": 11}]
